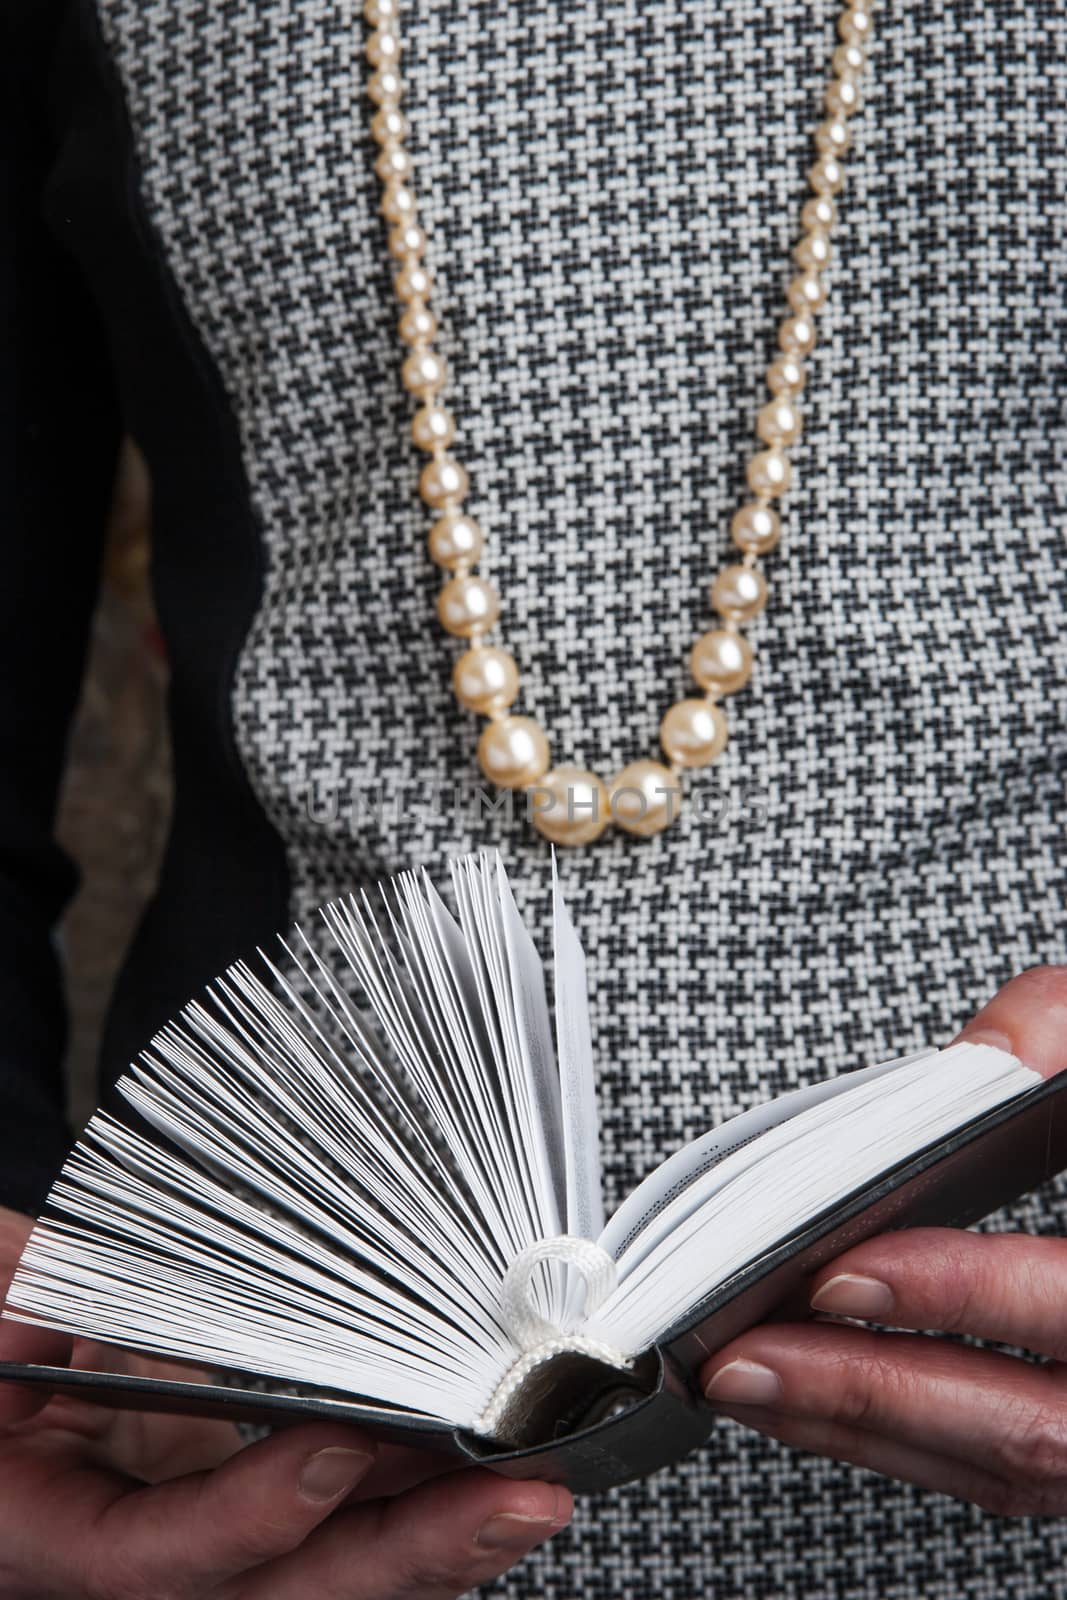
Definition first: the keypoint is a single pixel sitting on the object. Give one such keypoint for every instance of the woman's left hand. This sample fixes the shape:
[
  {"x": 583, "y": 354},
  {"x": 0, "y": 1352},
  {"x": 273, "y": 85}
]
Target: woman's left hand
[{"x": 975, "y": 1424}]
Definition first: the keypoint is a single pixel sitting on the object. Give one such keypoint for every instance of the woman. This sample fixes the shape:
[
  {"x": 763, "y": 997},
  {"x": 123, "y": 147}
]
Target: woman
[{"x": 610, "y": 198}]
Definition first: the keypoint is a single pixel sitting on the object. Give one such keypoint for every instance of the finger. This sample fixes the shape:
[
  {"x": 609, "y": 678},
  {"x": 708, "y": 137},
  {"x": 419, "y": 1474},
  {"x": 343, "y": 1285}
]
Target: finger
[
  {"x": 972, "y": 1405},
  {"x": 38, "y": 1347},
  {"x": 158, "y": 1447},
  {"x": 183, "y": 1536},
  {"x": 907, "y": 1464},
  {"x": 433, "y": 1543},
  {"x": 1028, "y": 1017},
  {"x": 401, "y": 1467},
  {"x": 148, "y": 1446},
  {"x": 1008, "y": 1286}
]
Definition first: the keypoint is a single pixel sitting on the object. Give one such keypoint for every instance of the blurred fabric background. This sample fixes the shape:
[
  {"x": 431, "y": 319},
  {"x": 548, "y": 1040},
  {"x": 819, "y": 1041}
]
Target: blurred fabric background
[{"x": 115, "y": 802}]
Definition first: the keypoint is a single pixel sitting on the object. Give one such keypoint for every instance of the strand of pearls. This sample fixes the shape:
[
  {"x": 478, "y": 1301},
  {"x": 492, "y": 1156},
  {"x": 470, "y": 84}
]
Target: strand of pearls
[{"x": 571, "y": 805}]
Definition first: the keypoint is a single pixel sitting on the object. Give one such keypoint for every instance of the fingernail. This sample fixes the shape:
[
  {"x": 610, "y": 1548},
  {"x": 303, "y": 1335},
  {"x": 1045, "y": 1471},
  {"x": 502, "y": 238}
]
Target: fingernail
[
  {"x": 509, "y": 1530},
  {"x": 749, "y": 1383},
  {"x": 330, "y": 1473},
  {"x": 993, "y": 1036},
  {"x": 850, "y": 1295}
]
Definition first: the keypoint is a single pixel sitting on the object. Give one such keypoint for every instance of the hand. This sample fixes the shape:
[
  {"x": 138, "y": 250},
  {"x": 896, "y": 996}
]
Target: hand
[
  {"x": 975, "y": 1424},
  {"x": 104, "y": 1505}
]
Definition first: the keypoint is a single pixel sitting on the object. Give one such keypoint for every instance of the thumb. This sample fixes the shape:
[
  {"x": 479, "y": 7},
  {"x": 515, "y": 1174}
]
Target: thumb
[
  {"x": 183, "y": 1536},
  {"x": 1028, "y": 1017}
]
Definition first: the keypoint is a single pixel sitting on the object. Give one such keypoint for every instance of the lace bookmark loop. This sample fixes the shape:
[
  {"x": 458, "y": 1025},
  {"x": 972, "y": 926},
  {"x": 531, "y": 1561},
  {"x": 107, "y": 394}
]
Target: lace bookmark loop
[
  {"x": 523, "y": 1321},
  {"x": 537, "y": 1338}
]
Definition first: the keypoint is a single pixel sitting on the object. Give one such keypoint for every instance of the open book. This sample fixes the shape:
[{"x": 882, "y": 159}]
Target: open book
[{"x": 372, "y": 1178}]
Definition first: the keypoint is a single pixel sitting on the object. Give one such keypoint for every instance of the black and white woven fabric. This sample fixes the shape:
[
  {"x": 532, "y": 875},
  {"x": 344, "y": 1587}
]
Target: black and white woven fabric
[{"x": 610, "y": 192}]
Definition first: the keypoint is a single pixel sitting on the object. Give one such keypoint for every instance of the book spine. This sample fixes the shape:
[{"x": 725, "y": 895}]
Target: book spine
[{"x": 627, "y": 1436}]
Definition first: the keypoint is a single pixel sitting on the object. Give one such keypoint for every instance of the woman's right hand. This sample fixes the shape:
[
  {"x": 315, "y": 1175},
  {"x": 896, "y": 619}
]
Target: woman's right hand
[{"x": 104, "y": 1505}]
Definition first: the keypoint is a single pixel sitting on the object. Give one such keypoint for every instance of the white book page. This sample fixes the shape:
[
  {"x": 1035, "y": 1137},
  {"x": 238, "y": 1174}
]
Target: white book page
[
  {"x": 534, "y": 1029},
  {"x": 441, "y": 977},
  {"x": 697, "y": 1158},
  {"x": 482, "y": 920},
  {"x": 343, "y": 1185},
  {"x": 766, "y": 1191},
  {"x": 574, "y": 1041}
]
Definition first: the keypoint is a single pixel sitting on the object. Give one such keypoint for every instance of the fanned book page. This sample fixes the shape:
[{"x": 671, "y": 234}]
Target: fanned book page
[{"x": 374, "y": 1173}]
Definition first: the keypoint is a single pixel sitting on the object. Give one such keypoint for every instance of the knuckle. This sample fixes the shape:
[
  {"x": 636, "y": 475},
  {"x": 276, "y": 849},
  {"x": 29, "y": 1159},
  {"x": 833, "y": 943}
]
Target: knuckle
[
  {"x": 959, "y": 1295},
  {"x": 416, "y": 1571},
  {"x": 97, "y": 1584},
  {"x": 1037, "y": 1452},
  {"x": 105, "y": 1574},
  {"x": 855, "y": 1399},
  {"x": 425, "y": 1577},
  {"x": 254, "y": 1532},
  {"x": 261, "y": 1536},
  {"x": 108, "y": 1576},
  {"x": 946, "y": 1281}
]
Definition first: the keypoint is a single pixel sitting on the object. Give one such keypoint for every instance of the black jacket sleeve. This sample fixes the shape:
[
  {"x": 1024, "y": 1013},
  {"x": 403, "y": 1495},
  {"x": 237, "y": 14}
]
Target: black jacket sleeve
[{"x": 60, "y": 430}]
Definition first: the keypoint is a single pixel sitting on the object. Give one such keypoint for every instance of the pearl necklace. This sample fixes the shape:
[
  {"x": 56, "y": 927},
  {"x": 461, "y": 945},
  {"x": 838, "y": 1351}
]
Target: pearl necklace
[{"x": 567, "y": 804}]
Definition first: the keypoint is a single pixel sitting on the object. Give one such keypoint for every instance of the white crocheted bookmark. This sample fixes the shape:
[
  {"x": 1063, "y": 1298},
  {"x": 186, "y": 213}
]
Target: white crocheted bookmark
[{"x": 537, "y": 1338}]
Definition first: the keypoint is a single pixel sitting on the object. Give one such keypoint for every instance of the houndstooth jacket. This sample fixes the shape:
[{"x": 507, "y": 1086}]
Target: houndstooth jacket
[{"x": 610, "y": 193}]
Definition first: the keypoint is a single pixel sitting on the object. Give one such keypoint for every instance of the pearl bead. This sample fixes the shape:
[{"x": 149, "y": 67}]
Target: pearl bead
[
  {"x": 485, "y": 679},
  {"x": 395, "y": 162},
  {"x": 818, "y": 212},
  {"x": 569, "y": 805},
  {"x": 786, "y": 375},
  {"x": 849, "y": 58},
  {"x": 833, "y": 136},
  {"x": 769, "y": 473},
  {"x": 513, "y": 752},
  {"x": 796, "y": 336},
  {"x": 827, "y": 176},
  {"x": 385, "y": 87},
  {"x": 389, "y": 126},
  {"x": 418, "y": 324},
  {"x": 855, "y": 25},
  {"x": 397, "y": 203},
  {"x": 739, "y": 593},
  {"x": 468, "y": 605},
  {"x": 381, "y": 12},
  {"x": 721, "y": 662},
  {"x": 814, "y": 251},
  {"x": 444, "y": 481},
  {"x": 756, "y": 529},
  {"x": 807, "y": 292},
  {"x": 432, "y": 427},
  {"x": 413, "y": 282},
  {"x": 645, "y": 797},
  {"x": 842, "y": 98},
  {"x": 382, "y": 47},
  {"x": 424, "y": 373},
  {"x": 693, "y": 733},
  {"x": 407, "y": 242},
  {"x": 779, "y": 422},
  {"x": 455, "y": 539}
]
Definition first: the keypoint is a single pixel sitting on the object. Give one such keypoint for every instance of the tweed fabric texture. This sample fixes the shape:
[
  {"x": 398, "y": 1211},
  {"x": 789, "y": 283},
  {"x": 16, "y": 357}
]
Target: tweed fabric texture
[{"x": 610, "y": 192}]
